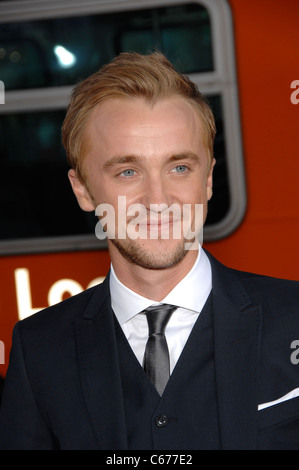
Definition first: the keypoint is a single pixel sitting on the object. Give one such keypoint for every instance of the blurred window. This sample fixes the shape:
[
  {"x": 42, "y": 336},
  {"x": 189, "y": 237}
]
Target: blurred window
[{"x": 42, "y": 59}]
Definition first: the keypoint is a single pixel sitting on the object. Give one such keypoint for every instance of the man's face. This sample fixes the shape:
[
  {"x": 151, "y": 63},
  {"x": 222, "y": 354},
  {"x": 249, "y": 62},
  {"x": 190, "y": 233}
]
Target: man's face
[{"x": 153, "y": 156}]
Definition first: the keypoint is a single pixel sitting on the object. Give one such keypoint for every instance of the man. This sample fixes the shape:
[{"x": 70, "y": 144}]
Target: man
[{"x": 94, "y": 372}]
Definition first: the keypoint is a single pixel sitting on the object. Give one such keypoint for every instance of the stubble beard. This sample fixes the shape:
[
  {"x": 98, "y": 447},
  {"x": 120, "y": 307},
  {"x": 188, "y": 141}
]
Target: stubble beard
[{"x": 161, "y": 258}]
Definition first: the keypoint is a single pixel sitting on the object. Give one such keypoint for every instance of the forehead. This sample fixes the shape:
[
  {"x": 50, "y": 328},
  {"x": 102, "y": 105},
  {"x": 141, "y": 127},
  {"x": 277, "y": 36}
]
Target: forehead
[
  {"x": 138, "y": 117},
  {"x": 132, "y": 126}
]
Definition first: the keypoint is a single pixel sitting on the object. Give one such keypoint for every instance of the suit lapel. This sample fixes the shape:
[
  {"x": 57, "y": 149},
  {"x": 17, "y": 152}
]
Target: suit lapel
[
  {"x": 99, "y": 371},
  {"x": 236, "y": 335}
]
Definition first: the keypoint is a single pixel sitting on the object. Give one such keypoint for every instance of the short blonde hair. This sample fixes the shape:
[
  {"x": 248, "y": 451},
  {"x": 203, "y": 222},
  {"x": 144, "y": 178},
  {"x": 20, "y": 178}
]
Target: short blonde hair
[{"x": 151, "y": 77}]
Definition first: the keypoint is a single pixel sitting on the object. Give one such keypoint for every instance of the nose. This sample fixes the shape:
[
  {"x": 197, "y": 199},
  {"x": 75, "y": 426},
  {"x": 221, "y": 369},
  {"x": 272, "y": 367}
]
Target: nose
[{"x": 156, "y": 191}]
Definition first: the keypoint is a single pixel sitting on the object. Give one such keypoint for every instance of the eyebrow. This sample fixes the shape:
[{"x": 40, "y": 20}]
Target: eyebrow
[
  {"x": 118, "y": 160},
  {"x": 184, "y": 156}
]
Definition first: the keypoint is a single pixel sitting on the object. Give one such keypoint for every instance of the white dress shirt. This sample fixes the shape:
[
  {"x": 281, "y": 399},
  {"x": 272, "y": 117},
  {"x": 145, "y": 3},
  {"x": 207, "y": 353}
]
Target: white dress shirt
[{"x": 190, "y": 295}]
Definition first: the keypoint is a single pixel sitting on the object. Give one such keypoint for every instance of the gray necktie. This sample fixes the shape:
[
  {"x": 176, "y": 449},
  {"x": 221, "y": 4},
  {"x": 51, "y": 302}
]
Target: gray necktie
[{"x": 156, "y": 357}]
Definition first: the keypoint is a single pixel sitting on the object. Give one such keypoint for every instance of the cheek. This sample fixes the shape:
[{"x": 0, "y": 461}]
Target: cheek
[
  {"x": 194, "y": 192},
  {"x": 100, "y": 191}
]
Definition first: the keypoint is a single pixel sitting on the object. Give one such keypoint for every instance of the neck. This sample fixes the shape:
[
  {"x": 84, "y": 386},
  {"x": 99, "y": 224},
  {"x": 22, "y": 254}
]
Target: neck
[{"x": 153, "y": 284}]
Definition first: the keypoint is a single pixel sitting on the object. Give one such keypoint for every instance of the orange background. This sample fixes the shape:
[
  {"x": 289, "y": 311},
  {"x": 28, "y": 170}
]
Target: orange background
[{"x": 267, "y": 56}]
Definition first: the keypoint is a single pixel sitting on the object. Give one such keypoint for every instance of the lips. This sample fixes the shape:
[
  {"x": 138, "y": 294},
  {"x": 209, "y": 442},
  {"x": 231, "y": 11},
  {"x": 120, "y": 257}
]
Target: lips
[
  {"x": 158, "y": 223},
  {"x": 162, "y": 228}
]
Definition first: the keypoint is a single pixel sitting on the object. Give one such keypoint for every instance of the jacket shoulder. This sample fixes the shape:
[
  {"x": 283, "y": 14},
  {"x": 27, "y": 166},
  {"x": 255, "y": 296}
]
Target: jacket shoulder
[
  {"x": 258, "y": 288},
  {"x": 276, "y": 292},
  {"x": 267, "y": 284},
  {"x": 253, "y": 278},
  {"x": 65, "y": 312}
]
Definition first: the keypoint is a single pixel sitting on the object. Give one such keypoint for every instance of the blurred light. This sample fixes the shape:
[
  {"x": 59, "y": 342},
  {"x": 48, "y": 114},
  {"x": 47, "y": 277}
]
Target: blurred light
[
  {"x": 65, "y": 58},
  {"x": 15, "y": 56}
]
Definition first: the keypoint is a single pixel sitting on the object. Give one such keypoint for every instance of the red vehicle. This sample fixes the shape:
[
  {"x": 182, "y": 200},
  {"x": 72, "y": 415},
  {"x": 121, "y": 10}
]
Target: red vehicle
[{"x": 244, "y": 57}]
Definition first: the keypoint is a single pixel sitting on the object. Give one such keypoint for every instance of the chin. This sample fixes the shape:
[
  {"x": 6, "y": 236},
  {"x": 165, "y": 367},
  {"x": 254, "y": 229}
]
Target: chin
[{"x": 158, "y": 254}]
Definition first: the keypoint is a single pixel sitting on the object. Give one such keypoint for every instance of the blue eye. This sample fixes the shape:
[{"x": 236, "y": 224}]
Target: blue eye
[
  {"x": 128, "y": 173},
  {"x": 180, "y": 169}
]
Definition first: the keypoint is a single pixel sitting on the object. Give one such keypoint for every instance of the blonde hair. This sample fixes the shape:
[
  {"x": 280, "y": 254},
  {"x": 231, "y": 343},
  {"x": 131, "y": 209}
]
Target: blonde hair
[{"x": 151, "y": 77}]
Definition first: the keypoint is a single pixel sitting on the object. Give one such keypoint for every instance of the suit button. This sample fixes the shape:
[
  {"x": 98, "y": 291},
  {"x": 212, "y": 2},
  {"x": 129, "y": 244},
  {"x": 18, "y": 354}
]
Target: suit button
[{"x": 161, "y": 421}]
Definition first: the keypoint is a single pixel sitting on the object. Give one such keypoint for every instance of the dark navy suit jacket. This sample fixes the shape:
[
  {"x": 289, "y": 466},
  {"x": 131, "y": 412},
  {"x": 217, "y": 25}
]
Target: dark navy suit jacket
[{"x": 63, "y": 387}]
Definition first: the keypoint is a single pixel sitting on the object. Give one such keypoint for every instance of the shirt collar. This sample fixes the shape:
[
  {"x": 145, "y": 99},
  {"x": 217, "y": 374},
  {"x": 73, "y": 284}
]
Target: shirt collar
[{"x": 190, "y": 293}]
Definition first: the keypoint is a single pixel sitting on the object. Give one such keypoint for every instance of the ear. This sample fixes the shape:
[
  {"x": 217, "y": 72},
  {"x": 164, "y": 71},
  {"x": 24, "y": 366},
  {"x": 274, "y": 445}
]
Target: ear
[
  {"x": 83, "y": 197},
  {"x": 210, "y": 180}
]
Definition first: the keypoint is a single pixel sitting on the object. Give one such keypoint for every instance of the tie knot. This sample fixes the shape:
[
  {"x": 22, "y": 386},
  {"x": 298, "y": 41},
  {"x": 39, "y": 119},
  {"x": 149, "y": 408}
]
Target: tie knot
[{"x": 157, "y": 317}]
